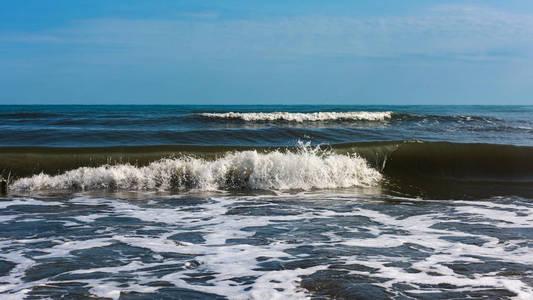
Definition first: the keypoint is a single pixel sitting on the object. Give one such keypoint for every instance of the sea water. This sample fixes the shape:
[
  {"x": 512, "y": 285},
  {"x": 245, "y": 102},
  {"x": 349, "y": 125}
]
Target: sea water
[{"x": 266, "y": 202}]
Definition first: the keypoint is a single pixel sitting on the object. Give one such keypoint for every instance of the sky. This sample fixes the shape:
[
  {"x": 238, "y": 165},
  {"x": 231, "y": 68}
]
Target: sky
[{"x": 266, "y": 52}]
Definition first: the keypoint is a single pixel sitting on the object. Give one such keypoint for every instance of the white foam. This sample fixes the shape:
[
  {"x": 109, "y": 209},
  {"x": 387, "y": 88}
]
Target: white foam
[
  {"x": 27, "y": 201},
  {"x": 282, "y": 284},
  {"x": 306, "y": 169},
  {"x": 87, "y": 218},
  {"x": 499, "y": 215},
  {"x": 6, "y": 219},
  {"x": 64, "y": 249},
  {"x": 418, "y": 228},
  {"x": 303, "y": 117}
]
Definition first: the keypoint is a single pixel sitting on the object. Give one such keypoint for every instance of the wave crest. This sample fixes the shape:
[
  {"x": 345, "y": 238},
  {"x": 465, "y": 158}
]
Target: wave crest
[
  {"x": 302, "y": 117},
  {"x": 308, "y": 168}
]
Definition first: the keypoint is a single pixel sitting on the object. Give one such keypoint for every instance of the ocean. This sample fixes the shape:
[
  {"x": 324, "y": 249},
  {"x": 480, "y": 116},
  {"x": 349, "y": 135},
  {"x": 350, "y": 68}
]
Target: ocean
[{"x": 266, "y": 202}]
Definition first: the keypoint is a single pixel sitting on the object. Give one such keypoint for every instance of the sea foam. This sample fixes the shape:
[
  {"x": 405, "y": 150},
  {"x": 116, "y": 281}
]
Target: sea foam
[
  {"x": 302, "y": 117},
  {"x": 308, "y": 168}
]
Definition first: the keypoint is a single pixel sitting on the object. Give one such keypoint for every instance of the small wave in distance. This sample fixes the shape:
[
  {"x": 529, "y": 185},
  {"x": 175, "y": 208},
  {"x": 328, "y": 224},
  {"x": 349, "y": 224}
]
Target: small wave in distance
[{"x": 301, "y": 117}]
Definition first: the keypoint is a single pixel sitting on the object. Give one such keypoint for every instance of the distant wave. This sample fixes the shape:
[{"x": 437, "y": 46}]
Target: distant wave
[
  {"x": 449, "y": 118},
  {"x": 308, "y": 168},
  {"x": 302, "y": 117}
]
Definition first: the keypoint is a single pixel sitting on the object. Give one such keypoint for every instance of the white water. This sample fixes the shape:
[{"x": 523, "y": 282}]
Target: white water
[
  {"x": 218, "y": 254},
  {"x": 303, "y": 117},
  {"x": 306, "y": 169}
]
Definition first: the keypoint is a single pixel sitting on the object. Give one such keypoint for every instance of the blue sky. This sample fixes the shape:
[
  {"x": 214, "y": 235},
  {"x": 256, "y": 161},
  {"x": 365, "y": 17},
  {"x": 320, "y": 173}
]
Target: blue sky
[{"x": 266, "y": 52}]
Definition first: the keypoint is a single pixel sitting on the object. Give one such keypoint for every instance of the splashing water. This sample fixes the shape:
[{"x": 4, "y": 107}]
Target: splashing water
[{"x": 307, "y": 168}]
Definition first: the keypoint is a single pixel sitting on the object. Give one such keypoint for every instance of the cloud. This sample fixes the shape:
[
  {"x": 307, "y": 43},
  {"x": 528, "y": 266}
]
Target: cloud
[{"x": 443, "y": 32}]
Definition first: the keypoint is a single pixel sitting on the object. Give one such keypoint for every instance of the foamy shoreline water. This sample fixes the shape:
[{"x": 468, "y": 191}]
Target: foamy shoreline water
[{"x": 265, "y": 247}]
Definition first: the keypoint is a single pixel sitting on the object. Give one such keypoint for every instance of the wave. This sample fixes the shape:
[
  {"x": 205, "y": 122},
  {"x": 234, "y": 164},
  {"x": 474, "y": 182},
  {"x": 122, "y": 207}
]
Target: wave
[
  {"x": 461, "y": 162},
  {"x": 301, "y": 117},
  {"x": 409, "y": 167},
  {"x": 446, "y": 118},
  {"x": 308, "y": 168}
]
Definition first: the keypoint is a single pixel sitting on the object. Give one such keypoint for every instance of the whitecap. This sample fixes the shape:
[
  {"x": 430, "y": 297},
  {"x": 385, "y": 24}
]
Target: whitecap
[
  {"x": 306, "y": 169},
  {"x": 302, "y": 117}
]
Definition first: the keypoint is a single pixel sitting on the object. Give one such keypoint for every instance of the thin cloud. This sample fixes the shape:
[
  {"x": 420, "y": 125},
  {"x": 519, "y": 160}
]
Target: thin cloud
[{"x": 453, "y": 32}]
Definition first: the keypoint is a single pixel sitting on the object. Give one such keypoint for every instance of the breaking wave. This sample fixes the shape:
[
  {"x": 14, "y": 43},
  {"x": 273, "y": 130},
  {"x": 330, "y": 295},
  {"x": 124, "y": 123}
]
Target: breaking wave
[
  {"x": 302, "y": 117},
  {"x": 308, "y": 168}
]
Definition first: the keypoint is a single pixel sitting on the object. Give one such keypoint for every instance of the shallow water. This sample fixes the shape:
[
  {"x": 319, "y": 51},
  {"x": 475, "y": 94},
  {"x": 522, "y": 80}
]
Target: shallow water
[{"x": 266, "y": 247}]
